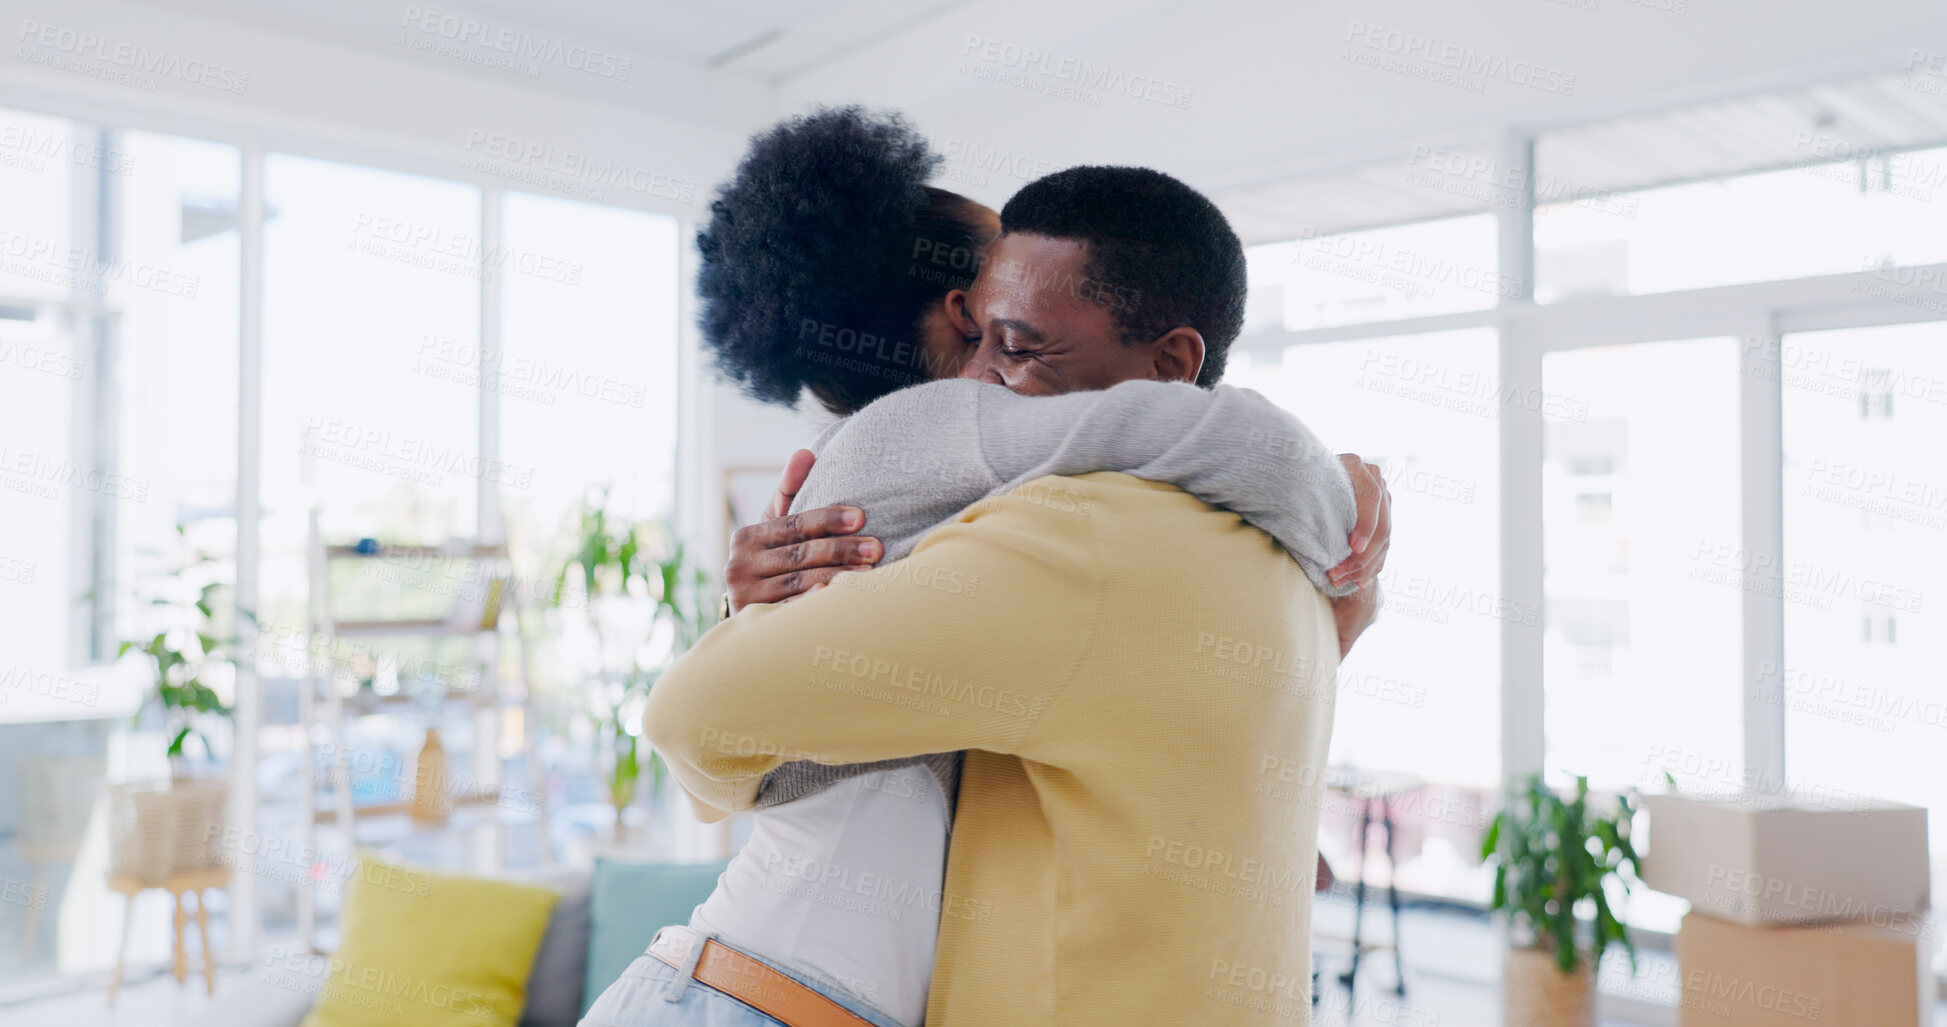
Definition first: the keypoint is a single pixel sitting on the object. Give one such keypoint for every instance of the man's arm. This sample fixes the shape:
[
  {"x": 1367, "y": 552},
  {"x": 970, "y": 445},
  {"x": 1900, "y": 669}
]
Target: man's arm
[{"x": 969, "y": 643}]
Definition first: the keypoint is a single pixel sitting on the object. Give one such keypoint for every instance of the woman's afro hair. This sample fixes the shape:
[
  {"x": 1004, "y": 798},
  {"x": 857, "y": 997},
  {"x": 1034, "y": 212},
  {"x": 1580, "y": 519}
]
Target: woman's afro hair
[{"x": 805, "y": 243}]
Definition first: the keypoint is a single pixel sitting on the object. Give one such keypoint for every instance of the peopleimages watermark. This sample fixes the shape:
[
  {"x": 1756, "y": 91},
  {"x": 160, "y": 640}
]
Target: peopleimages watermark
[
  {"x": 30, "y": 148},
  {"x": 1923, "y": 287},
  {"x": 1725, "y": 780},
  {"x": 1024, "y": 275},
  {"x": 969, "y": 162},
  {"x": 294, "y": 650},
  {"x": 42, "y": 359},
  {"x": 83, "y": 270},
  {"x": 521, "y": 375},
  {"x": 15, "y": 571},
  {"x": 1876, "y": 490},
  {"x": 383, "y": 989},
  {"x": 849, "y": 671},
  {"x": 1796, "y": 581},
  {"x": 1427, "y": 598},
  {"x": 394, "y": 779},
  {"x": 37, "y": 474},
  {"x": 129, "y": 64},
  {"x": 1446, "y": 63},
  {"x": 1459, "y": 389},
  {"x": 1476, "y": 177},
  {"x": 1845, "y": 700},
  {"x": 1748, "y": 893},
  {"x": 437, "y": 249},
  {"x": 48, "y": 685},
  {"x": 380, "y": 451},
  {"x": 870, "y": 353},
  {"x": 1926, "y": 72},
  {"x": 1904, "y": 174},
  {"x": 273, "y": 858},
  {"x": 1837, "y": 371},
  {"x": 1067, "y": 78},
  {"x": 1408, "y": 269},
  {"x": 23, "y": 894},
  {"x": 472, "y": 41},
  {"x": 569, "y": 172}
]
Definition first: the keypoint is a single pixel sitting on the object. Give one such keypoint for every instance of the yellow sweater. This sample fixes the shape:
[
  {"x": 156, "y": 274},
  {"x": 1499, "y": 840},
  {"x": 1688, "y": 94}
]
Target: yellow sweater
[{"x": 1149, "y": 684}]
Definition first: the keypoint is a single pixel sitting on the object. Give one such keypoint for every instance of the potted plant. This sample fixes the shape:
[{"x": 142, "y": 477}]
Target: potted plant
[
  {"x": 644, "y": 571},
  {"x": 1554, "y": 856},
  {"x": 159, "y": 829}
]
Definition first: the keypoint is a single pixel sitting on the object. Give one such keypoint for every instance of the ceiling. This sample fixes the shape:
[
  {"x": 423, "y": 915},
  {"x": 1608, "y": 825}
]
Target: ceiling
[
  {"x": 761, "y": 40},
  {"x": 1842, "y": 121},
  {"x": 1285, "y": 120}
]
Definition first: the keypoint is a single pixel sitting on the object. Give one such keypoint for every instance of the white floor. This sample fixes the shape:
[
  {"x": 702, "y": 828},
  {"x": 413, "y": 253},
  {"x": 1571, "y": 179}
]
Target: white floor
[
  {"x": 1452, "y": 961},
  {"x": 151, "y": 998}
]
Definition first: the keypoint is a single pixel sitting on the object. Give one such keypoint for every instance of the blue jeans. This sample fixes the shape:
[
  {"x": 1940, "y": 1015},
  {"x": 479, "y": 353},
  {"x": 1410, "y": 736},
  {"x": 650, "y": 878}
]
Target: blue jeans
[{"x": 640, "y": 998}]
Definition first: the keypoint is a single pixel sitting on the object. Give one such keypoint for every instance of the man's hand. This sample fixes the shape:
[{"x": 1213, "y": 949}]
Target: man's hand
[
  {"x": 1354, "y": 614},
  {"x": 1372, "y": 531},
  {"x": 783, "y": 557}
]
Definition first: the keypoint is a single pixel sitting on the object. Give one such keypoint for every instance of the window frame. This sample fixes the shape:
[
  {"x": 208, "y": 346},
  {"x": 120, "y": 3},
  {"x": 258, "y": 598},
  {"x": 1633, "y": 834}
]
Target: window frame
[
  {"x": 1759, "y": 314},
  {"x": 255, "y": 143}
]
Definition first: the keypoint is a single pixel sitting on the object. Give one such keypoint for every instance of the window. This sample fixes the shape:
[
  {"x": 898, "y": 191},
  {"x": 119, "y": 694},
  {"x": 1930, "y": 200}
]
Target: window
[
  {"x": 587, "y": 379},
  {"x": 1820, "y": 217},
  {"x": 118, "y": 341},
  {"x": 1381, "y": 274},
  {"x": 1420, "y": 693},
  {"x": 1640, "y": 533},
  {"x": 1864, "y": 559}
]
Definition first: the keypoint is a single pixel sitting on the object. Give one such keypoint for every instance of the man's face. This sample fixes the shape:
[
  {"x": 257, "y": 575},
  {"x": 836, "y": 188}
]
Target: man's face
[{"x": 1044, "y": 327}]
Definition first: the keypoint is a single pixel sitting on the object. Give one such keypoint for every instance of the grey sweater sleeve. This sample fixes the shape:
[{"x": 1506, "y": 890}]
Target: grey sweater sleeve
[
  {"x": 1229, "y": 447},
  {"x": 914, "y": 459}
]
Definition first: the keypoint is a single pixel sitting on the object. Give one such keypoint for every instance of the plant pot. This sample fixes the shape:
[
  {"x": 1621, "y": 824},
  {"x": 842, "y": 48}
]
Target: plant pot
[
  {"x": 1536, "y": 993},
  {"x": 157, "y": 830}
]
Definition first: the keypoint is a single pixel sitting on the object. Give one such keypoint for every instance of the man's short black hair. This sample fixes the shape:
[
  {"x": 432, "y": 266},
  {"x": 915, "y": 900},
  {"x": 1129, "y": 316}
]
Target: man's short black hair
[{"x": 1160, "y": 254}]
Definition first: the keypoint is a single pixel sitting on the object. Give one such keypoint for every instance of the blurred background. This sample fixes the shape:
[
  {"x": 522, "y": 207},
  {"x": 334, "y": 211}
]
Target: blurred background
[{"x": 359, "y": 467}]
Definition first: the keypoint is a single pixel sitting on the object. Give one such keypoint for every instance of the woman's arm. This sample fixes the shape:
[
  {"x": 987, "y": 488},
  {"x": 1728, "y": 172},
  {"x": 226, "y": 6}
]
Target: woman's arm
[
  {"x": 1227, "y": 446},
  {"x": 1230, "y": 447}
]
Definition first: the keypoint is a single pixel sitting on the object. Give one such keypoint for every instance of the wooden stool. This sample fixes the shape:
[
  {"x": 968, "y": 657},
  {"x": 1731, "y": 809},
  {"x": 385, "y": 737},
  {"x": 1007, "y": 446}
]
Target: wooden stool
[{"x": 197, "y": 881}]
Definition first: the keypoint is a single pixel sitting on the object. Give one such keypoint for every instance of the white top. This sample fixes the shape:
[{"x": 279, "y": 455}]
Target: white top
[{"x": 843, "y": 886}]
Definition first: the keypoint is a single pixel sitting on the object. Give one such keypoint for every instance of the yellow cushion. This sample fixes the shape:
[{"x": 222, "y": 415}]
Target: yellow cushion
[{"x": 431, "y": 950}]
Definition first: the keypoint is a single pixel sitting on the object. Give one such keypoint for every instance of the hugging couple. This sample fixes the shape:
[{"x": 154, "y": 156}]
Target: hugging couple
[{"x": 1018, "y": 691}]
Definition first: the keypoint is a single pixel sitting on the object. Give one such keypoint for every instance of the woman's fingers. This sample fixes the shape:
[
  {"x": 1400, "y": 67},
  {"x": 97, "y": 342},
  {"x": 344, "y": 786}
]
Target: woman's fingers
[{"x": 1372, "y": 527}]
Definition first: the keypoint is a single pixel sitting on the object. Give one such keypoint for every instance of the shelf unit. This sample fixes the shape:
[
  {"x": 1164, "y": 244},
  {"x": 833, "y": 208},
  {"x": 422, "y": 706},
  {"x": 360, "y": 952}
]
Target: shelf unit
[{"x": 487, "y": 614}]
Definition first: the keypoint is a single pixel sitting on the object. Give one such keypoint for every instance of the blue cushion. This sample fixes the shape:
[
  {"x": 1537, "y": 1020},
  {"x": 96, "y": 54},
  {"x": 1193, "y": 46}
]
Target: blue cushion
[{"x": 628, "y": 903}]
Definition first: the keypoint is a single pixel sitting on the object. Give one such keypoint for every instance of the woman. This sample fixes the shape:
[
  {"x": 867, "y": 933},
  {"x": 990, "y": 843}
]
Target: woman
[{"x": 830, "y": 266}]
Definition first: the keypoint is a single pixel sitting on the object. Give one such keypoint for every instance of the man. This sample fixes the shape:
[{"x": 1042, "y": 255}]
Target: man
[{"x": 1146, "y": 681}]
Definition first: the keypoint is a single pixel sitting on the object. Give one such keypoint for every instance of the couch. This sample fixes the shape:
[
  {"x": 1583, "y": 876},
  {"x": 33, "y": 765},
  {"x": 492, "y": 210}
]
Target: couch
[{"x": 584, "y": 947}]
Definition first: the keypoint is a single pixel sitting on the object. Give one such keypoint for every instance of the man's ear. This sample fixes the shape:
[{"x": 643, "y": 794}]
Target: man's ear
[{"x": 1178, "y": 355}]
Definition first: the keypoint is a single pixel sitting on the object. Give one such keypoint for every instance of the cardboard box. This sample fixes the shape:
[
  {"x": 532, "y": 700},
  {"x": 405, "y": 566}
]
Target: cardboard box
[
  {"x": 1846, "y": 975},
  {"x": 1757, "y": 860}
]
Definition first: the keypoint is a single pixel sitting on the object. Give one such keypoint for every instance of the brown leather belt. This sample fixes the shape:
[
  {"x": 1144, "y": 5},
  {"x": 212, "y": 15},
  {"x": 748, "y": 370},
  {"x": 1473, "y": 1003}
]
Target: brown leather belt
[{"x": 753, "y": 982}]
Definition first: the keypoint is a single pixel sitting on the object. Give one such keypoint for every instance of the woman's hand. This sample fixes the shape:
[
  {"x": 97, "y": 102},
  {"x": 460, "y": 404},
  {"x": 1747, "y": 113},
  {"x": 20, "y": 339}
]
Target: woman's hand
[
  {"x": 786, "y": 556},
  {"x": 1372, "y": 530}
]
